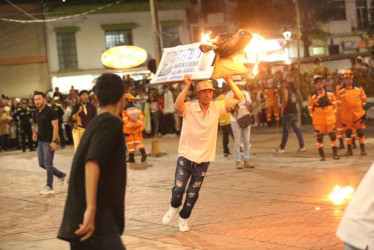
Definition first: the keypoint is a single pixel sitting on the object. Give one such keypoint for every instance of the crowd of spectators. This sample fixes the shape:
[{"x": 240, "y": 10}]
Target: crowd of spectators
[{"x": 157, "y": 102}]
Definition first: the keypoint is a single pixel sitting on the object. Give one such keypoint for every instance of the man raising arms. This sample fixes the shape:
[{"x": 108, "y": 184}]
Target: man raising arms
[{"x": 197, "y": 145}]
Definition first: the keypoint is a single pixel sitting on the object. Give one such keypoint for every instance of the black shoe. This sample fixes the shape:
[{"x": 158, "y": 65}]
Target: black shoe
[
  {"x": 362, "y": 149},
  {"x": 131, "y": 158},
  {"x": 24, "y": 150},
  {"x": 349, "y": 151},
  {"x": 321, "y": 154},
  {"x": 144, "y": 155},
  {"x": 32, "y": 149},
  {"x": 335, "y": 155}
]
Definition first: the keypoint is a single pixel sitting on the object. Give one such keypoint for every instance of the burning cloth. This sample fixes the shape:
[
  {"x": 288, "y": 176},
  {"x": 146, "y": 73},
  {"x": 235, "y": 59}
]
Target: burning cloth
[{"x": 229, "y": 49}]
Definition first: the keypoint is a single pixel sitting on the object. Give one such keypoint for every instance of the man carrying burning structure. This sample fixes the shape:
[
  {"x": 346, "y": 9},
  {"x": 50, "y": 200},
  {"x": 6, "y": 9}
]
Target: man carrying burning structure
[{"x": 197, "y": 144}]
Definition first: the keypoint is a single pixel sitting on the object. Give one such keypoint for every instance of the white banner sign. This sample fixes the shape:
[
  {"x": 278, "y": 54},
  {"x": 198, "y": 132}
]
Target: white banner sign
[{"x": 184, "y": 60}]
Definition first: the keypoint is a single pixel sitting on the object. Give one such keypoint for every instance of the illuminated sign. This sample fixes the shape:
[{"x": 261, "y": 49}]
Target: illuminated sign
[{"x": 124, "y": 57}]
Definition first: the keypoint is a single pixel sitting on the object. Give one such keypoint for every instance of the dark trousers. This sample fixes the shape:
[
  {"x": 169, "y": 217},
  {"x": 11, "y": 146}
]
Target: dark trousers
[
  {"x": 169, "y": 123},
  {"x": 61, "y": 135},
  {"x": 288, "y": 121},
  {"x": 155, "y": 123},
  {"x": 69, "y": 134},
  {"x": 103, "y": 242},
  {"x": 226, "y": 132},
  {"x": 4, "y": 142},
  {"x": 26, "y": 133},
  {"x": 185, "y": 170}
]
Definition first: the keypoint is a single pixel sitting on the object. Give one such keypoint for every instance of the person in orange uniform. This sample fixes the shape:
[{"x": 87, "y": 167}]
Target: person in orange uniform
[
  {"x": 322, "y": 107},
  {"x": 271, "y": 99},
  {"x": 352, "y": 99},
  {"x": 133, "y": 126}
]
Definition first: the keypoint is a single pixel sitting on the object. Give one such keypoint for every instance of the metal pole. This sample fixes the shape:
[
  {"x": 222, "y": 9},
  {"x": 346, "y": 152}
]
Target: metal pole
[{"x": 156, "y": 31}]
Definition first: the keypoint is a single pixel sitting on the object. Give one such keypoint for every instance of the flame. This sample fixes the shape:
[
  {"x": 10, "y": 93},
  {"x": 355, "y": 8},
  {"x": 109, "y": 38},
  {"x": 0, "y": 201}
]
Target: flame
[
  {"x": 341, "y": 193},
  {"x": 205, "y": 38},
  {"x": 255, "y": 45},
  {"x": 252, "y": 50}
]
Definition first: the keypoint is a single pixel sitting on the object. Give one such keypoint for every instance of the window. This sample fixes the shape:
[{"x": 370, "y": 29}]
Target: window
[
  {"x": 170, "y": 36},
  {"x": 318, "y": 51},
  {"x": 349, "y": 45},
  {"x": 115, "y": 38},
  {"x": 67, "y": 51},
  {"x": 362, "y": 15}
]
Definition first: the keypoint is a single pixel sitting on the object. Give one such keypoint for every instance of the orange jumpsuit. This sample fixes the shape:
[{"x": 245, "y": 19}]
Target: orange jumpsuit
[
  {"x": 133, "y": 126},
  {"x": 352, "y": 100},
  {"x": 271, "y": 99},
  {"x": 322, "y": 107}
]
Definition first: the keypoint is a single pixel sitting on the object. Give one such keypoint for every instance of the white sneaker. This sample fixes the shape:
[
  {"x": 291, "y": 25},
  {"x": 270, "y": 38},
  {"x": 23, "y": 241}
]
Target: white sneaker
[
  {"x": 169, "y": 215},
  {"x": 238, "y": 165},
  {"x": 64, "y": 180},
  {"x": 183, "y": 225},
  {"x": 303, "y": 149},
  {"x": 46, "y": 191},
  {"x": 279, "y": 150}
]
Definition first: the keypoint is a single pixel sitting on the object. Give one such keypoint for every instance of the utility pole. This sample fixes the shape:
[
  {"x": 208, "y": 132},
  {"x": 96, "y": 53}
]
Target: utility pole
[
  {"x": 156, "y": 31},
  {"x": 298, "y": 24}
]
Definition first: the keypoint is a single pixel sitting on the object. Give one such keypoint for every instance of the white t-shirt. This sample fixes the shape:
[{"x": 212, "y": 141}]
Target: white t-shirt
[
  {"x": 242, "y": 108},
  {"x": 357, "y": 224},
  {"x": 199, "y": 134},
  {"x": 67, "y": 114},
  {"x": 168, "y": 103}
]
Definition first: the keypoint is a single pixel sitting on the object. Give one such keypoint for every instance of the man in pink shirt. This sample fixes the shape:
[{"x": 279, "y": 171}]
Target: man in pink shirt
[{"x": 197, "y": 145}]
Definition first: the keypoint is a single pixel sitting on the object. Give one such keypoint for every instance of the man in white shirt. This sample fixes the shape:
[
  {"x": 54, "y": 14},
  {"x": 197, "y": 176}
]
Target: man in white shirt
[
  {"x": 197, "y": 145},
  {"x": 169, "y": 111}
]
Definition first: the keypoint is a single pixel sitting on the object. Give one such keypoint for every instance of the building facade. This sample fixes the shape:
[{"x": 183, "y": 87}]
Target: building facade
[
  {"x": 23, "y": 55},
  {"x": 75, "y": 45}
]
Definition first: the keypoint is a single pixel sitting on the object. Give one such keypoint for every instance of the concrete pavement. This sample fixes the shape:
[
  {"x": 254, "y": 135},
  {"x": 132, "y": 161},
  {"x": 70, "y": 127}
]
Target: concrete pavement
[{"x": 281, "y": 204}]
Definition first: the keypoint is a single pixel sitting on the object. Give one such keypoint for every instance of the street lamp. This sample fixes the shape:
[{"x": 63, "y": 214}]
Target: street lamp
[{"x": 287, "y": 36}]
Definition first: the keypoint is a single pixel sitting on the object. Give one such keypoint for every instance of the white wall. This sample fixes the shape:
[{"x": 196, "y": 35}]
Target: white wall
[
  {"x": 339, "y": 27},
  {"x": 350, "y": 12},
  {"x": 90, "y": 39}
]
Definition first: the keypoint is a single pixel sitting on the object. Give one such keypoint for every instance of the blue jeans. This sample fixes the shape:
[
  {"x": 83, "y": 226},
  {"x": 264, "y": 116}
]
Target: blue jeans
[
  {"x": 45, "y": 158},
  {"x": 185, "y": 169},
  {"x": 240, "y": 133},
  {"x": 288, "y": 121}
]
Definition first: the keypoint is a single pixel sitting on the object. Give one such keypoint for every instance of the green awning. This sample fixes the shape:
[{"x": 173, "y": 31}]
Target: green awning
[
  {"x": 119, "y": 26},
  {"x": 67, "y": 29},
  {"x": 171, "y": 23}
]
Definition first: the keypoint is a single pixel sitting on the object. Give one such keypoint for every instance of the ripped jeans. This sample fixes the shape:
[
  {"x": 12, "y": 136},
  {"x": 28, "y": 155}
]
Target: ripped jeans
[{"x": 185, "y": 169}]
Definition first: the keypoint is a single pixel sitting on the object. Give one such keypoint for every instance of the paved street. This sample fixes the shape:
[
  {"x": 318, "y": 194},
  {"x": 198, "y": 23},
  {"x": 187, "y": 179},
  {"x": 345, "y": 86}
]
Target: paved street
[{"x": 280, "y": 204}]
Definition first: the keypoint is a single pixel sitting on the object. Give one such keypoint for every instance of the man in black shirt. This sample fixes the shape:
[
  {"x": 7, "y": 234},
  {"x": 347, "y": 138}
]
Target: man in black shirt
[
  {"x": 46, "y": 131},
  {"x": 289, "y": 117},
  {"x": 94, "y": 209}
]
